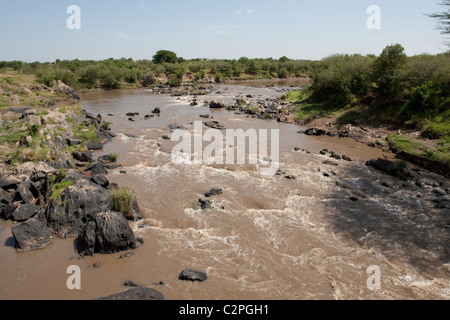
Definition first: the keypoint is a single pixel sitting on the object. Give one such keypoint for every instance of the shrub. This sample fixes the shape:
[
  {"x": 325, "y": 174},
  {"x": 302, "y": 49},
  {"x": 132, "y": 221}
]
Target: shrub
[
  {"x": 123, "y": 199},
  {"x": 113, "y": 157},
  {"x": 105, "y": 125}
]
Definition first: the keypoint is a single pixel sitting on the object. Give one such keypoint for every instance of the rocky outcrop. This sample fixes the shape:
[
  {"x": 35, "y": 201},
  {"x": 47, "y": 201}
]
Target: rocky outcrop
[
  {"x": 63, "y": 88},
  {"x": 141, "y": 293},
  {"x": 107, "y": 232},
  {"x": 31, "y": 235},
  {"x": 77, "y": 205}
]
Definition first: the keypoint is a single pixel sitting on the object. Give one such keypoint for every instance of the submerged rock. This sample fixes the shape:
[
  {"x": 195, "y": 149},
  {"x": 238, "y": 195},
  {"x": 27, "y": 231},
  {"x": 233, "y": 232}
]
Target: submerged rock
[
  {"x": 140, "y": 293},
  {"x": 213, "y": 192}
]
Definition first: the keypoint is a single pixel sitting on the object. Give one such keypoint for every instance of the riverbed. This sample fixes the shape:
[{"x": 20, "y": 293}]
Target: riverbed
[{"x": 313, "y": 235}]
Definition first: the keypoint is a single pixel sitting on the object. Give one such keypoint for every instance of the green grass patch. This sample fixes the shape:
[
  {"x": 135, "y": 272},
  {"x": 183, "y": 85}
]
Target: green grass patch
[
  {"x": 309, "y": 112},
  {"x": 106, "y": 125},
  {"x": 59, "y": 188},
  {"x": 404, "y": 143},
  {"x": 123, "y": 199},
  {"x": 113, "y": 157}
]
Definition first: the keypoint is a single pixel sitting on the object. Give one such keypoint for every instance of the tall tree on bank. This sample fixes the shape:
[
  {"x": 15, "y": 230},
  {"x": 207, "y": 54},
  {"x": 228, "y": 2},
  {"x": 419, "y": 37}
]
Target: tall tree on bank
[
  {"x": 443, "y": 18},
  {"x": 165, "y": 56}
]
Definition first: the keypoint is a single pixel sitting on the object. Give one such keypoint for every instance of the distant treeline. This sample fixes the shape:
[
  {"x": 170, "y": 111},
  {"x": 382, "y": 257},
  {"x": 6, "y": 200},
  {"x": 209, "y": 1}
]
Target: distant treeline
[{"x": 114, "y": 73}]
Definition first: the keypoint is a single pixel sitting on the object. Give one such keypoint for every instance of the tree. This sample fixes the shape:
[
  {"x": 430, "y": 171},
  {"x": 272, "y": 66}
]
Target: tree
[
  {"x": 165, "y": 56},
  {"x": 387, "y": 73},
  {"x": 443, "y": 18}
]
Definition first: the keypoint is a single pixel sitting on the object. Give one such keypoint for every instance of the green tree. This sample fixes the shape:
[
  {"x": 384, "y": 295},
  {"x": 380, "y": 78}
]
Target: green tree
[
  {"x": 387, "y": 73},
  {"x": 165, "y": 56}
]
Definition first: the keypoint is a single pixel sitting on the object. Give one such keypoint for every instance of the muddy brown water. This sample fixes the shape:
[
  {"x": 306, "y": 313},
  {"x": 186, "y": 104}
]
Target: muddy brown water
[{"x": 267, "y": 237}]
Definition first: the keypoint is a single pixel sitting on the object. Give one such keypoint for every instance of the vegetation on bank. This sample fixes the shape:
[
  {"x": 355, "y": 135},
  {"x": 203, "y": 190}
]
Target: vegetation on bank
[
  {"x": 405, "y": 92},
  {"x": 165, "y": 68}
]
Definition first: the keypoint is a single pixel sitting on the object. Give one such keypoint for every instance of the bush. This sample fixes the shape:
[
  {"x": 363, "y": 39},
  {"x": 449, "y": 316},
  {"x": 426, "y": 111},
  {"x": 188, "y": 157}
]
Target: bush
[
  {"x": 123, "y": 199},
  {"x": 113, "y": 157},
  {"x": 105, "y": 126}
]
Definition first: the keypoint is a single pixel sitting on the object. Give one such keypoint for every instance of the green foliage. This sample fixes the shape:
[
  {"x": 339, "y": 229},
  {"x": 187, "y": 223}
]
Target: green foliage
[
  {"x": 165, "y": 56},
  {"x": 105, "y": 125},
  {"x": 59, "y": 188},
  {"x": 113, "y": 157},
  {"x": 33, "y": 129},
  {"x": 123, "y": 199},
  {"x": 387, "y": 74}
]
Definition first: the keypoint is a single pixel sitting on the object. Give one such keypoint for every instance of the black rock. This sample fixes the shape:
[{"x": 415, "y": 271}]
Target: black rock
[
  {"x": 326, "y": 174},
  {"x": 6, "y": 210},
  {"x": 82, "y": 156},
  {"x": 97, "y": 169},
  {"x": 100, "y": 180},
  {"x": 346, "y": 158},
  {"x": 9, "y": 182},
  {"x": 330, "y": 163},
  {"x": 213, "y": 192},
  {"x": 335, "y": 156},
  {"x": 164, "y": 137},
  {"x": 205, "y": 116},
  {"x": 190, "y": 275},
  {"x": 94, "y": 145},
  {"x": 156, "y": 111},
  {"x": 28, "y": 191},
  {"x": 205, "y": 204},
  {"x": 130, "y": 283},
  {"x": 24, "y": 212},
  {"x": 216, "y": 105},
  {"x": 132, "y": 114},
  {"x": 105, "y": 159},
  {"x": 297, "y": 149},
  {"x": 31, "y": 235},
  {"x": 109, "y": 232},
  {"x": 136, "y": 294},
  {"x": 131, "y": 119},
  {"x": 353, "y": 198},
  {"x": 78, "y": 205},
  {"x": 290, "y": 177},
  {"x": 73, "y": 142},
  {"x": 172, "y": 127}
]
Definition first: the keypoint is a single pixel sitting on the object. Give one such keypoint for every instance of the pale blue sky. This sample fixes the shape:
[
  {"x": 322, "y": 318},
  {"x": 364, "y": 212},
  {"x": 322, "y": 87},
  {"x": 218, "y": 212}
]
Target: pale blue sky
[{"x": 33, "y": 30}]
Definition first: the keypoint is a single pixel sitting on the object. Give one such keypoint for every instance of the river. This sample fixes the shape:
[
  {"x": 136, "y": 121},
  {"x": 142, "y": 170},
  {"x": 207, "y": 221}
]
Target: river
[{"x": 267, "y": 237}]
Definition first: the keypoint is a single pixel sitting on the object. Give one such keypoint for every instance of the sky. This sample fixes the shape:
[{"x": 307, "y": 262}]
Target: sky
[{"x": 33, "y": 30}]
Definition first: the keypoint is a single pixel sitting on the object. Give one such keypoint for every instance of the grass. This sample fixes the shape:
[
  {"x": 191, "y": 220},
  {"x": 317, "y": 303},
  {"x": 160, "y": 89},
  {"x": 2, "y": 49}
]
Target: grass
[
  {"x": 59, "y": 188},
  {"x": 123, "y": 199},
  {"x": 113, "y": 157},
  {"x": 439, "y": 152},
  {"x": 105, "y": 125}
]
